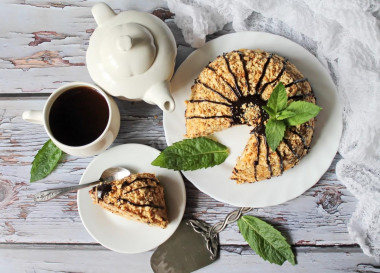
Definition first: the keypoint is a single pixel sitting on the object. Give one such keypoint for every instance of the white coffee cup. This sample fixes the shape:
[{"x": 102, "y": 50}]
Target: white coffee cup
[{"x": 96, "y": 146}]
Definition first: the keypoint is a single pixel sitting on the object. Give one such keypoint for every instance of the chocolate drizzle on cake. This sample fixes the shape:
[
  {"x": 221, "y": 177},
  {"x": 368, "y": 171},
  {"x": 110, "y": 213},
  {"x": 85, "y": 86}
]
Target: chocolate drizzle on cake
[
  {"x": 139, "y": 188},
  {"x": 210, "y": 101},
  {"x": 268, "y": 161},
  {"x": 146, "y": 185},
  {"x": 273, "y": 82},
  {"x": 238, "y": 111},
  {"x": 281, "y": 161},
  {"x": 287, "y": 143},
  {"x": 258, "y": 85},
  {"x": 151, "y": 205},
  {"x": 295, "y": 82},
  {"x": 300, "y": 97},
  {"x": 103, "y": 189},
  {"x": 241, "y": 56},
  {"x": 301, "y": 137},
  {"x": 258, "y": 145},
  {"x": 145, "y": 179},
  {"x": 216, "y": 92},
  {"x": 236, "y": 90},
  {"x": 210, "y": 117}
]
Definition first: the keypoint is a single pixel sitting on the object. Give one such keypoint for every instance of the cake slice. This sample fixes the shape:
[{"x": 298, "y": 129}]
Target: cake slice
[{"x": 138, "y": 197}]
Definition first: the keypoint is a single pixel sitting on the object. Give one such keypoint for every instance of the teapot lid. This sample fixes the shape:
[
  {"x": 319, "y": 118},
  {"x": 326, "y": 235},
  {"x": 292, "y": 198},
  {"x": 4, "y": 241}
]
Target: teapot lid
[
  {"x": 126, "y": 50},
  {"x": 129, "y": 52}
]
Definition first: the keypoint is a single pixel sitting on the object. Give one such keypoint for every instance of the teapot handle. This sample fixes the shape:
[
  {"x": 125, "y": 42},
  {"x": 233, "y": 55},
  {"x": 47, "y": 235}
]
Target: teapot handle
[{"x": 102, "y": 13}]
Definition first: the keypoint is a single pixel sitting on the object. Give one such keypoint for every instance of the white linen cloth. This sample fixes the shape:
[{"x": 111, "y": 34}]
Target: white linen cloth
[{"x": 345, "y": 37}]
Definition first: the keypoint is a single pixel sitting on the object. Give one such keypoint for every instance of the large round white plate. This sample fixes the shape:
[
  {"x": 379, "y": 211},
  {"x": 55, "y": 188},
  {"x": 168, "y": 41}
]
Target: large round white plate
[
  {"x": 216, "y": 181},
  {"x": 120, "y": 234}
]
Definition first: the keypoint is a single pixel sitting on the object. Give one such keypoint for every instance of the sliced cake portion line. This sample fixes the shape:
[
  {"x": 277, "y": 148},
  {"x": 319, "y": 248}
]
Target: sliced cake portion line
[{"x": 137, "y": 197}]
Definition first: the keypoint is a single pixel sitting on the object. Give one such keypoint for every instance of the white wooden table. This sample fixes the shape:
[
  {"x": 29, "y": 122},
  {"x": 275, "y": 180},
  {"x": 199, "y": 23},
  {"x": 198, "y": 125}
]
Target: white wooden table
[{"x": 42, "y": 46}]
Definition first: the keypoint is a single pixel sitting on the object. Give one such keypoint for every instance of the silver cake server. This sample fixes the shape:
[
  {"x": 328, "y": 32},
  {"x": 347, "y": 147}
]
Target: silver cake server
[{"x": 195, "y": 244}]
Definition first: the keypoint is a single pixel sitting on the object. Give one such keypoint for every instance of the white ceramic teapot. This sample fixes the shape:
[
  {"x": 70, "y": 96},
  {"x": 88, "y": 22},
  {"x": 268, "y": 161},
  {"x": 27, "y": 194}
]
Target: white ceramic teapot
[{"x": 131, "y": 55}]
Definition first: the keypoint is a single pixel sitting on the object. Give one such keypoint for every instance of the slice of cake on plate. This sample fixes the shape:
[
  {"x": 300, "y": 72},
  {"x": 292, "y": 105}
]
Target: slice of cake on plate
[{"x": 138, "y": 197}]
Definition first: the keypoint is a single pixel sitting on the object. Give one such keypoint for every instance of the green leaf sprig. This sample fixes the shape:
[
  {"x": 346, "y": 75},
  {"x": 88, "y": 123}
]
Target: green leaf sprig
[
  {"x": 45, "y": 161},
  {"x": 192, "y": 154},
  {"x": 282, "y": 114},
  {"x": 265, "y": 240}
]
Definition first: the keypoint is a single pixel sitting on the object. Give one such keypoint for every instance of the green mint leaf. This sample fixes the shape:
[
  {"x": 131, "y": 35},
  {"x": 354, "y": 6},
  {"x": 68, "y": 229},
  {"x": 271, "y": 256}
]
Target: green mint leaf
[
  {"x": 271, "y": 113},
  {"x": 274, "y": 132},
  {"x": 45, "y": 161},
  {"x": 284, "y": 114},
  {"x": 278, "y": 99},
  {"x": 265, "y": 240},
  {"x": 192, "y": 154},
  {"x": 304, "y": 112}
]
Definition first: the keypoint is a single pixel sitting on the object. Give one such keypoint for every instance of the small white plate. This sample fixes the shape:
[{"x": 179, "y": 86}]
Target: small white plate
[
  {"x": 120, "y": 234},
  {"x": 216, "y": 181}
]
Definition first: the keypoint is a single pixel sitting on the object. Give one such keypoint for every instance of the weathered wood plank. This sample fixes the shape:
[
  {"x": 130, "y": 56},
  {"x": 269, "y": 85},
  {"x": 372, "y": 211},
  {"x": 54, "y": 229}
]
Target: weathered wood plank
[
  {"x": 48, "y": 52},
  {"x": 318, "y": 217},
  {"x": 58, "y": 258},
  {"x": 55, "y": 70}
]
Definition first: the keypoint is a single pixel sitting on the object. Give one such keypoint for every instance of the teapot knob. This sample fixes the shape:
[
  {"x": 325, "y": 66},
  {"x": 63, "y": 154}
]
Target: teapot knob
[
  {"x": 124, "y": 43},
  {"x": 102, "y": 13}
]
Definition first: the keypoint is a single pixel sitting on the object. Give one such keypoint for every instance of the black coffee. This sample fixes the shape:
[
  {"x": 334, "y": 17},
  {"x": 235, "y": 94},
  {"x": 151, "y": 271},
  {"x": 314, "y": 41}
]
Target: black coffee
[{"x": 78, "y": 116}]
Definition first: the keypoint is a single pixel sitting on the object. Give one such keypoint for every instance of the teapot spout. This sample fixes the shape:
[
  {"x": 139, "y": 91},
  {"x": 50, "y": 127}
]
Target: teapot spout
[{"x": 159, "y": 94}]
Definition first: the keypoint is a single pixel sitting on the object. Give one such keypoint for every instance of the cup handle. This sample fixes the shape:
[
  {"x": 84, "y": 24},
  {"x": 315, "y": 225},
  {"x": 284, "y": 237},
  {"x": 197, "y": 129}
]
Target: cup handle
[{"x": 33, "y": 116}]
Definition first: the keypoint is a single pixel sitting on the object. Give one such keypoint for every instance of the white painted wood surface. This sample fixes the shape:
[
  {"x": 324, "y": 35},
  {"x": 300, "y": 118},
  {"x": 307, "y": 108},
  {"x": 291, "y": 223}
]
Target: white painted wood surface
[
  {"x": 42, "y": 45},
  {"x": 96, "y": 259}
]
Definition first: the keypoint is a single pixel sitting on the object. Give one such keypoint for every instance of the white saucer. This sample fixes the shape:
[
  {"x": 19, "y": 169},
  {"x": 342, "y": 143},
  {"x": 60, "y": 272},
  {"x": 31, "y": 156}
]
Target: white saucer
[
  {"x": 120, "y": 234},
  {"x": 216, "y": 181}
]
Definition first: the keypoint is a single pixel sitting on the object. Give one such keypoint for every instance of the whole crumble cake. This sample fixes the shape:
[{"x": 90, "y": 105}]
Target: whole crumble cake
[{"x": 231, "y": 90}]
